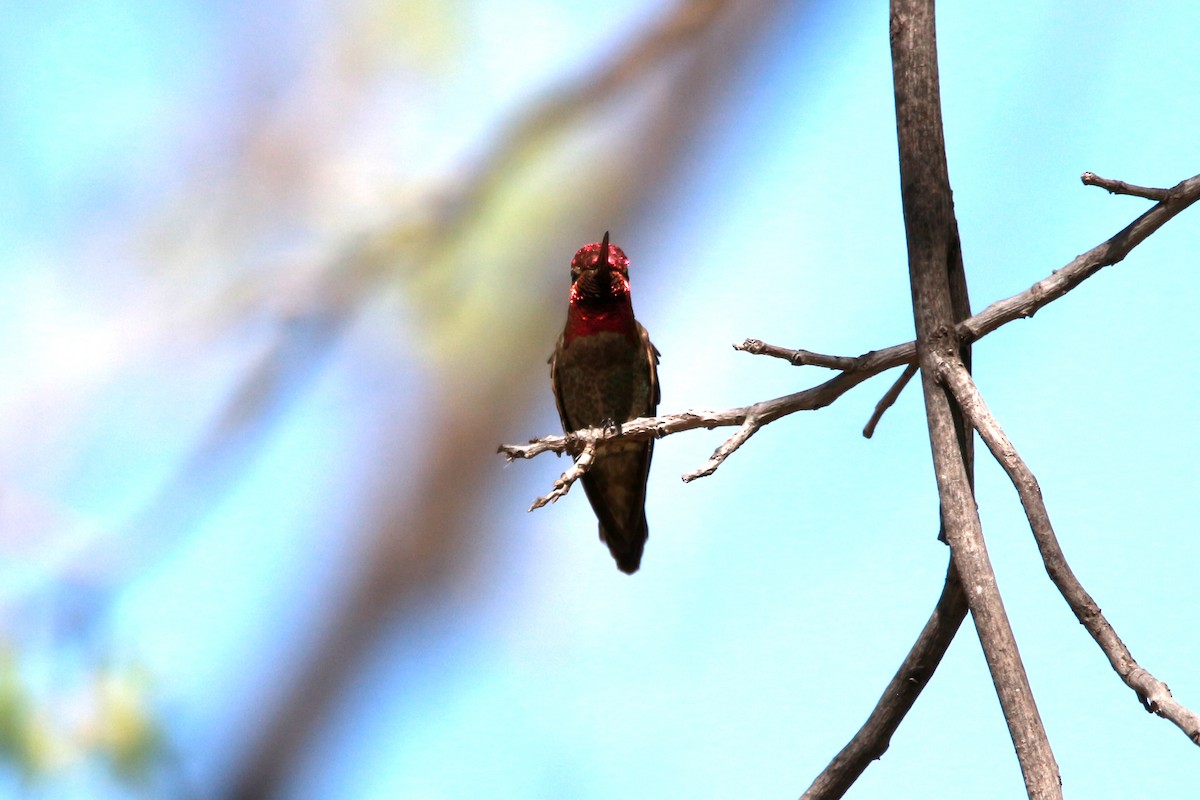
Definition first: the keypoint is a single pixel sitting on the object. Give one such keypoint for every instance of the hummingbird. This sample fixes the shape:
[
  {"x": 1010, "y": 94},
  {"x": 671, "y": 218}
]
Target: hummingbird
[{"x": 604, "y": 371}]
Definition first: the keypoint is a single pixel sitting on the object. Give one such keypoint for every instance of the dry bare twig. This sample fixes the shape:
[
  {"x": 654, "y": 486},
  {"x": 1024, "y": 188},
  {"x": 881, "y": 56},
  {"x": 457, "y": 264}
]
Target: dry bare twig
[
  {"x": 749, "y": 419},
  {"x": 573, "y": 473},
  {"x": 1121, "y": 187},
  {"x": 1153, "y": 693},
  {"x": 797, "y": 358},
  {"x": 889, "y": 399},
  {"x": 1085, "y": 265}
]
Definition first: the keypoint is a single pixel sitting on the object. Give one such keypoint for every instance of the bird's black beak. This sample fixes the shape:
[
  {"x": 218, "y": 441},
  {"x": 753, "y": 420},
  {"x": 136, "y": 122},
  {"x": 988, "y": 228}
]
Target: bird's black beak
[
  {"x": 596, "y": 279},
  {"x": 602, "y": 256}
]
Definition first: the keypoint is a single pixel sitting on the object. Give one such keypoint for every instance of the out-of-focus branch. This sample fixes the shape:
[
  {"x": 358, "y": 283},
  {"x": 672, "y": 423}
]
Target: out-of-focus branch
[
  {"x": 1153, "y": 693},
  {"x": 355, "y": 261},
  {"x": 873, "y": 738},
  {"x": 676, "y": 30},
  {"x": 412, "y": 546}
]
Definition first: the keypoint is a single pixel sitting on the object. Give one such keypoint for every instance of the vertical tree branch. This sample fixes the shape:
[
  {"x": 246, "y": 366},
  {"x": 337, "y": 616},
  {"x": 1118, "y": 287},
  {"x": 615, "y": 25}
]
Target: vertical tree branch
[{"x": 934, "y": 257}]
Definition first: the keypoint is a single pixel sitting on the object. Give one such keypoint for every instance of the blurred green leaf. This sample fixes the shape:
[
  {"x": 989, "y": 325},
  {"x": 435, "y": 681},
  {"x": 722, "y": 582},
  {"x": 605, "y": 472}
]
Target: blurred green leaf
[
  {"x": 21, "y": 742},
  {"x": 127, "y": 735}
]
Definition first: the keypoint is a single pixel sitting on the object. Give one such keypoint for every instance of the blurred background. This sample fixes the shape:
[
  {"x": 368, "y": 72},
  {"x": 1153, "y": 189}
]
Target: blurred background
[{"x": 277, "y": 278}]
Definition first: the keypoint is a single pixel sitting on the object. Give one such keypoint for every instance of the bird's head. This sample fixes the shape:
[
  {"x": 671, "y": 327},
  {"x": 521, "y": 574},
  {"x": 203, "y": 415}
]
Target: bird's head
[{"x": 599, "y": 273}]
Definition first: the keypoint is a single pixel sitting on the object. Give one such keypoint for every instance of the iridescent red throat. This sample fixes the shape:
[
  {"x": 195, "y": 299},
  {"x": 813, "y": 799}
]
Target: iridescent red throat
[{"x": 588, "y": 315}]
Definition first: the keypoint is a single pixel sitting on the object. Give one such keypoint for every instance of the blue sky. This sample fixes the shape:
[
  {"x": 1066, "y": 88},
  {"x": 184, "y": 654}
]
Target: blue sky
[{"x": 776, "y": 597}]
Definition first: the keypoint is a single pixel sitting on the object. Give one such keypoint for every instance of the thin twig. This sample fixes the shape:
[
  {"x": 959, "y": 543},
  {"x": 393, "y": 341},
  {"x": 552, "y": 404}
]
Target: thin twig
[
  {"x": 572, "y": 474},
  {"x": 873, "y": 738},
  {"x": 1153, "y": 693},
  {"x": 747, "y": 429},
  {"x": 1082, "y": 267},
  {"x": 1121, "y": 187},
  {"x": 797, "y": 358},
  {"x": 889, "y": 398},
  {"x": 1027, "y": 303}
]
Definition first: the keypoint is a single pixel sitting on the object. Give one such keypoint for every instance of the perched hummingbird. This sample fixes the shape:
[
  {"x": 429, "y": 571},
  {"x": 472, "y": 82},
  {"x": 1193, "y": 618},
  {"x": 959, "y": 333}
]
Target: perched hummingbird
[{"x": 604, "y": 372}]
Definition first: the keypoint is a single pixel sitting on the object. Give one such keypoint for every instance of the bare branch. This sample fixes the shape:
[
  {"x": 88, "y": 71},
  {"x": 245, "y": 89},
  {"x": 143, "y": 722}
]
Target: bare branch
[
  {"x": 573, "y": 473},
  {"x": 889, "y": 398},
  {"x": 797, "y": 358},
  {"x": 1153, "y": 693},
  {"x": 1121, "y": 187},
  {"x": 1061, "y": 281},
  {"x": 750, "y": 418},
  {"x": 748, "y": 429},
  {"x": 855, "y": 370},
  {"x": 640, "y": 428},
  {"x": 873, "y": 738}
]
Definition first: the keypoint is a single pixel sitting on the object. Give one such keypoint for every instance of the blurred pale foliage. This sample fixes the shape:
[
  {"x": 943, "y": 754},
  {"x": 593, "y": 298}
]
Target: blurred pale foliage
[
  {"x": 59, "y": 729},
  {"x": 388, "y": 185},
  {"x": 22, "y": 734}
]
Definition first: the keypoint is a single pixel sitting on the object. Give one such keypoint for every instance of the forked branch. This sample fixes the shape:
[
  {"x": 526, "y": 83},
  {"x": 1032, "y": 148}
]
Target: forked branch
[
  {"x": 583, "y": 462},
  {"x": 1153, "y": 693}
]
